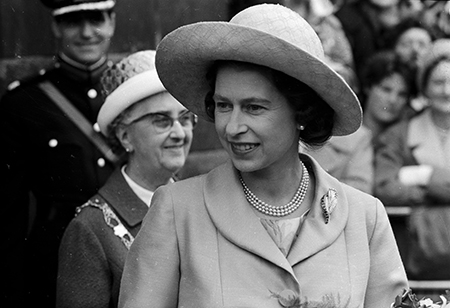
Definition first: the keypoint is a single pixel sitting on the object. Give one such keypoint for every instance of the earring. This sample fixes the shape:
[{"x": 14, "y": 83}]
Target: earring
[
  {"x": 300, "y": 127},
  {"x": 127, "y": 150}
]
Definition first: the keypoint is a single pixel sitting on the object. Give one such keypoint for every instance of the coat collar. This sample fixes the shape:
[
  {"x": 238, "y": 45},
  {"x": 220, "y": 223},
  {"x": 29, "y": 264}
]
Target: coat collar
[
  {"x": 119, "y": 196},
  {"x": 423, "y": 140},
  {"x": 236, "y": 221},
  {"x": 80, "y": 72}
]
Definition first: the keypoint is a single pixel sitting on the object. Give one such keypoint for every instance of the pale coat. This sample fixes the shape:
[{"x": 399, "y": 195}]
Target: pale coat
[
  {"x": 408, "y": 143},
  {"x": 202, "y": 245},
  {"x": 91, "y": 254},
  {"x": 348, "y": 158}
]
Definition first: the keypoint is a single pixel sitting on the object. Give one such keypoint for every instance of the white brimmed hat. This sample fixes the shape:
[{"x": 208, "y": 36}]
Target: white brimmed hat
[
  {"x": 267, "y": 34},
  {"x": 61, "y": 7},
  {"x": 127, "y": 82}
]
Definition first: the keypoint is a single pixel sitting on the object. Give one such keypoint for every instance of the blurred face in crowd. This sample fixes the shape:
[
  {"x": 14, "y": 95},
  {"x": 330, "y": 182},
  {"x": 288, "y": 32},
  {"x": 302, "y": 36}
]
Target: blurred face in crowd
[
  {"x": 254, "y": 121},
  {"x": 437, "y": 89},
  {"x": 84, "y": 36},
  {"x": 387, "y": 12},
  {"x": 412, "y": 44},
  {"x": 312, "y": 10},
  {"x": 386, "y": 100},
  {"x": 158, "y": 134},
  {"x": 410, "y": 8},
  {"x": 436, "y": 14}
]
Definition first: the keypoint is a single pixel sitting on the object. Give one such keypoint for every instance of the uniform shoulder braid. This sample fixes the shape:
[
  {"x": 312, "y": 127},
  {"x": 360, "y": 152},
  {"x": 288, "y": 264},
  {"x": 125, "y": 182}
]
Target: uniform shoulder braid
[{"x": 34, "y": 76}]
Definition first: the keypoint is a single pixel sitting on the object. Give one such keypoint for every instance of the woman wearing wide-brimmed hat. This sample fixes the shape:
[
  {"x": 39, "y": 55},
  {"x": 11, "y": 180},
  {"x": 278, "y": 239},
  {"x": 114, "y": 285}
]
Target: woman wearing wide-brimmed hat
[
  {"x": 155, "y": 131},
  {"x": 270, "y": 227}
]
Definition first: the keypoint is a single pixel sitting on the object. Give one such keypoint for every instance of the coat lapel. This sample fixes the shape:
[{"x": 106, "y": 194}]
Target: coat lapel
[
  {"x": 227, "y": 206},
  {"x": 125, "y": 202},
  {"x": 315, "y": 235},
  {"x": 235, "y": 219}
]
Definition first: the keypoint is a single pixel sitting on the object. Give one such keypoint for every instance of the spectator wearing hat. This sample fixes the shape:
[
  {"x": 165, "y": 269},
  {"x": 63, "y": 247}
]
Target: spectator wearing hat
[
  {"x": 412, "y": 162},
  {"x": 52, "y": 148},
  {"x": 269, "y": 227},
  {"x": 155, "y": 130}
]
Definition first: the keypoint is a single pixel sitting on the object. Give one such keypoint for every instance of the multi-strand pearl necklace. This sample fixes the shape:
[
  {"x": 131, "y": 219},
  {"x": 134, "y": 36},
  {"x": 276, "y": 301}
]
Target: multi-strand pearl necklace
[{"x": 280, "y": 211}]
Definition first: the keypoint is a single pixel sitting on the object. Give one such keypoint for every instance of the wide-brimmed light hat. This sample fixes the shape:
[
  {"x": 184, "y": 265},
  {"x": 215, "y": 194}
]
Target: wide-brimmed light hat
[
  {"x": 126, "y": 83},
  {"x": 267, "y": 34}
]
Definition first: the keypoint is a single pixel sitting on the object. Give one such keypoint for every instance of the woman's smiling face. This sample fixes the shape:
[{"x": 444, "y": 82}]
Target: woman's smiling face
[{"x": 254, "y": 121}]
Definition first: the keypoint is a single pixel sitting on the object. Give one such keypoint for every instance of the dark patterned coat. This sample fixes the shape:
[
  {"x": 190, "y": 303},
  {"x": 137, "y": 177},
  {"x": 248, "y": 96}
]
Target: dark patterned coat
[{"x": 92, "y": 256}]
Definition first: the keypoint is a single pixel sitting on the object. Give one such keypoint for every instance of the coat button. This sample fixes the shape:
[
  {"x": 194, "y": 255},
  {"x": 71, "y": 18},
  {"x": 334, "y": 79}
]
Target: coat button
[
  {"x": 92, "y": 93},
  {"x": 101, "y": 162},
  {"x": 52, "y": 143},
  {"x": 96, "y": 127}
]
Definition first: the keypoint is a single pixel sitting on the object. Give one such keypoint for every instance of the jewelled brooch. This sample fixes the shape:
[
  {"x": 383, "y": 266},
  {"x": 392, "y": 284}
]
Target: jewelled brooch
[{"x": 328, "y": 204}]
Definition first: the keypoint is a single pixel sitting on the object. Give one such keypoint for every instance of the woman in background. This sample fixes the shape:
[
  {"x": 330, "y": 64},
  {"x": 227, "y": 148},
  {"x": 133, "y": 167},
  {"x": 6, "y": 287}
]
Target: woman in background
[
  {"x": 386, "y": 92},
  {"x": 410, "y": 40},
  {"x": 155, "y": 130}
]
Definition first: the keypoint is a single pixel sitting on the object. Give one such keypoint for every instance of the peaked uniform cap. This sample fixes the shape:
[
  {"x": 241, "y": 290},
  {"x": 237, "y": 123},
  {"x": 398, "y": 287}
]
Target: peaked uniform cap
[
  {"x": 60, "y": 7},
  {"x": 267, "y": 34}
]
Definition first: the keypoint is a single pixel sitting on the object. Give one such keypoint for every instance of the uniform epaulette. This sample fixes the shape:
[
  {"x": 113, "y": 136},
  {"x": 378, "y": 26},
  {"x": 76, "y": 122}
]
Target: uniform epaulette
[
  {"x": 13, "y": 85},
  {"x": 28, "y": 79}
]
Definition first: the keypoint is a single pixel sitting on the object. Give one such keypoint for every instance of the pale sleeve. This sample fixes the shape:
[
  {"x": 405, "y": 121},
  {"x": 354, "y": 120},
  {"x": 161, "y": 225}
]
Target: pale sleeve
[
  {"x": 152, "y": 271},
  {"x": 387, "y": 277},
  {"x": 390, "y": 157},
  {"x": 360, "y": 170}
]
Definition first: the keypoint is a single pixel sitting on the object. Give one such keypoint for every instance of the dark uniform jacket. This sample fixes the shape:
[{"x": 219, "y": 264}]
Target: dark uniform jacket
[
  {"x": 46, "y": 155},
  {"x": 92, "y": 254}
]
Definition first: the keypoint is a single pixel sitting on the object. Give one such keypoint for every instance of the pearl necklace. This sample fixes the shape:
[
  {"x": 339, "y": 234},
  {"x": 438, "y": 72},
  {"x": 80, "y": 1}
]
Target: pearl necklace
[{"x": 280, "y": 211}]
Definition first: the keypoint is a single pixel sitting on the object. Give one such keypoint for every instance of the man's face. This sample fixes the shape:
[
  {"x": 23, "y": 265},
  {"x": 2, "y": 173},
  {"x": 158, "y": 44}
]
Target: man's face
[{"x": 84, "y": 36}]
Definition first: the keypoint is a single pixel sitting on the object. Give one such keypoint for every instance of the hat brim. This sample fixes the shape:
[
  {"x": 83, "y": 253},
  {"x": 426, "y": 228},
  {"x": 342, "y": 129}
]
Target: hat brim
[
  {"x": 185, "y": 55},
  {"x": 133, "y": 90},
  {"x": 85, "y": 6}
]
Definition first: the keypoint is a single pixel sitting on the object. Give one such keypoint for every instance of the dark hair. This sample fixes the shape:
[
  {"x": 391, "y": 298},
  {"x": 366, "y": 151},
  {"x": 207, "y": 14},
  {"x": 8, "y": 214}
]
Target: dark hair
[
  {"x": 396, "y": 32},
  {"x": 429, "y": 69},
  {"x": 381, "y": 65},
  {"x": 235, "y": 6},
  {"x": 113, "y": 127},
  {"x": 312, "y": 112}
]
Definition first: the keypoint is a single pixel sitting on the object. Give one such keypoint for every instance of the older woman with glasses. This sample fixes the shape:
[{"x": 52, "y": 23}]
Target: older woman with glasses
[{"x": 155, "y": 131}]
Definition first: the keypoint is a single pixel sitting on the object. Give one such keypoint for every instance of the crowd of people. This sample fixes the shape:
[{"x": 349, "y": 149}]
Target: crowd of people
[{"x": 330, "y": 113}]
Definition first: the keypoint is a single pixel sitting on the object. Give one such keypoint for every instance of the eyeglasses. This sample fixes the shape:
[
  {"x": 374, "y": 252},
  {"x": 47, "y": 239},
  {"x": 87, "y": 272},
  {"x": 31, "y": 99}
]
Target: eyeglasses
[{"x": 162, "y": 122}]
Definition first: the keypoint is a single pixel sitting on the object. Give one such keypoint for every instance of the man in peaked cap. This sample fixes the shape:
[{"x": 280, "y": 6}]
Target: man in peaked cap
[{"x": 54, "y": 156}]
